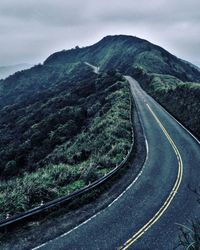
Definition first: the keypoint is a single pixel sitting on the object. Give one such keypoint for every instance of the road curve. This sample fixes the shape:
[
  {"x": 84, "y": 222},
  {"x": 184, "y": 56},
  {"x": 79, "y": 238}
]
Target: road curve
[{"x": 145, "y": 216}]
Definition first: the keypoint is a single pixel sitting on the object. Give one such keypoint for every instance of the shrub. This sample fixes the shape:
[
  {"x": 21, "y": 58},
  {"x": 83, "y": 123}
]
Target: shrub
[{"x": 62, "y": 134}]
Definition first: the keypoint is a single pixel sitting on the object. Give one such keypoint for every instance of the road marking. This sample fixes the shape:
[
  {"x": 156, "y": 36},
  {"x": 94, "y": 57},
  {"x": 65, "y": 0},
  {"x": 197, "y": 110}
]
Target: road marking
[{"x": 172, "y": 194}]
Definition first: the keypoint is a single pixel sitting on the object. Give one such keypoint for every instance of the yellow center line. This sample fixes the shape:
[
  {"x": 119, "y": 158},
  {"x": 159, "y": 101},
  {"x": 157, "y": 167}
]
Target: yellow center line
[{"x": 169, "y": 199}]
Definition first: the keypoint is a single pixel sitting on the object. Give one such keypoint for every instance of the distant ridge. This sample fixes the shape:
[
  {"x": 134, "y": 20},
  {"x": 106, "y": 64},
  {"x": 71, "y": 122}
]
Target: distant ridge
[{"x": 6, "y": 71}]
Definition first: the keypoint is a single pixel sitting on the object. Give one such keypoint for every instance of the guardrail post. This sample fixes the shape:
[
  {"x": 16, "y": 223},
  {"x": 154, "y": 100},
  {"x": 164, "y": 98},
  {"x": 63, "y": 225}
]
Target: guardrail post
[{"x": 8, "y": 216}]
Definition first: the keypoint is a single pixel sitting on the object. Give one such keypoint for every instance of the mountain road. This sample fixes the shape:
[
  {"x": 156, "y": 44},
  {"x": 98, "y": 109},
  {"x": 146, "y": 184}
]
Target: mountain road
[{"x": 147, "y": 214}]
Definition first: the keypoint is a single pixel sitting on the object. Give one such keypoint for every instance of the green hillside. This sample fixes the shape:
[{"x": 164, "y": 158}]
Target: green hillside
[
  {"x": 182, "y": 99},
  {"x": 170, "y": 80},
  {"x": 56, "y": 137},
  {"x": 123, "y": 52}
]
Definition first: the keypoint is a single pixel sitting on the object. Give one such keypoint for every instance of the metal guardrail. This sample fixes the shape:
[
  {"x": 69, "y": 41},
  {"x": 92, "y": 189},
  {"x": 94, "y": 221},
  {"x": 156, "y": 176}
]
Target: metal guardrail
[{"x": 37, "y": 210}]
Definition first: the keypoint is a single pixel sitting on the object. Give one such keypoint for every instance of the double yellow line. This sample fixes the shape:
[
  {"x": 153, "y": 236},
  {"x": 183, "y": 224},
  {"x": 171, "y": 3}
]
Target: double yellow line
[{"x": 169, "y": 199}]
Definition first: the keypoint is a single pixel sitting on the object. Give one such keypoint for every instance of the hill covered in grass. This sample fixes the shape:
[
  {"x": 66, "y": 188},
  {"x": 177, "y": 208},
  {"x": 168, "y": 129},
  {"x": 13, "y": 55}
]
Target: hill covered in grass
[
  {"x": 56, "y": 137},
  {"x": 125, "y": 52},
  {"x": 182, "y": 99},
  {"x": 171, "y": 81}
]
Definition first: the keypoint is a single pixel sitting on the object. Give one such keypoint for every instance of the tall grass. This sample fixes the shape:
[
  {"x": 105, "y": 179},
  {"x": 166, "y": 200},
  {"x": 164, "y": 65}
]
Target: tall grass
[{"x": 99, "y": 147}]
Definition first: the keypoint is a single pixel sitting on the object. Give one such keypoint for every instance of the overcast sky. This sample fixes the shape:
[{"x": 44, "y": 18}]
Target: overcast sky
[{"x": 30, "y": 30}]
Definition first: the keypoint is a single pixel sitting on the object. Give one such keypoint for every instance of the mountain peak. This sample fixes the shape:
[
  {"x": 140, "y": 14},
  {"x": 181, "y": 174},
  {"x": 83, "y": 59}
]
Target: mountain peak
[
  {"x": 123, "y": 52},
  {"x": 122, "y": 38}
]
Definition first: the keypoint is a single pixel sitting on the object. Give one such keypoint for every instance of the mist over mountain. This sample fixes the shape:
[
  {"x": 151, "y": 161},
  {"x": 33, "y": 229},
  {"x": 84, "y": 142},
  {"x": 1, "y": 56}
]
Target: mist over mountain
[{"x": 6, "y": 71}]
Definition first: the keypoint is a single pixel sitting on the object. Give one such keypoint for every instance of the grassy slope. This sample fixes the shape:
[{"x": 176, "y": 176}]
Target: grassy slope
[
  {"x": 123, "y": 52},
  {"x": 127, "y": 53},
  {"x": 80, "y": 151},
  {"x": 182, "y": 99},
  {"x": 167, "y": 78}
]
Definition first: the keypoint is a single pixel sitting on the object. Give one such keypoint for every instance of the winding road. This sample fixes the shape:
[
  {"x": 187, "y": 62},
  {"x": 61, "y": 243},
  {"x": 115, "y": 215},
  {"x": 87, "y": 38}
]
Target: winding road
[{"x": 146, "y": 214}]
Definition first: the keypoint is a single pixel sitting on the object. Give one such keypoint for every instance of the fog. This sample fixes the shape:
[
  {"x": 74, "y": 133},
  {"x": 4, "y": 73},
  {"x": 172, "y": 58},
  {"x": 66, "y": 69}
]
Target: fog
[{"x": 32, "y": 30}]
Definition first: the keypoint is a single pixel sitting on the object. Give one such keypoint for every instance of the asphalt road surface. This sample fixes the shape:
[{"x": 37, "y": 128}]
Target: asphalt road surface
[{"x": 145, "y": 216}]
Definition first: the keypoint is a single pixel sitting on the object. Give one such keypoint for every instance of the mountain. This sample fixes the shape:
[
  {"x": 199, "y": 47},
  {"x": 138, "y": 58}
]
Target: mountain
[
  {"x": 6, "y": 71},
  {"x": 55, "y": 115},
  {"x": 124, "y": 52}
]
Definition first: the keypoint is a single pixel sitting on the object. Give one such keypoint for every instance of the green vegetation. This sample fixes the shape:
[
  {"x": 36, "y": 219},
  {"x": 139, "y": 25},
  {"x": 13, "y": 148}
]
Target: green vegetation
[
  {"x": 189, "y": 237},
  {"x": 62, "y": 136},
  {"x": 124, "y": 52},
  {"x": 182, "y": 99},
  {"x": 171, "y": 81}
]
